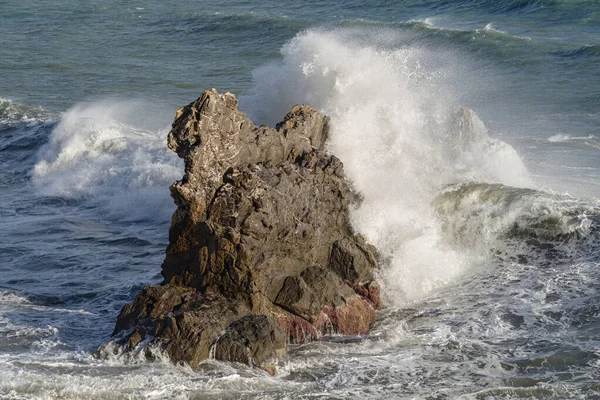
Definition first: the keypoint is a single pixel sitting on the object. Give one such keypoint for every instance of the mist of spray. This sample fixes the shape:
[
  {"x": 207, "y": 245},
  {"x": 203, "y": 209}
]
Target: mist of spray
[
  {"x": 103, "y": 152},
  {"x": 398, "y": 127}
]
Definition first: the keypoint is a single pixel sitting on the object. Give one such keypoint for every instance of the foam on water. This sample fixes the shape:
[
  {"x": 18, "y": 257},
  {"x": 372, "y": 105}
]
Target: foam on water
[
  {"x": 51, "y": 376},
  {"x": 98, "y": 153},
  {"x": 14, "y": 113},
  {"x": 16, "y": 337},
  {"x": 561, "y": 138},
  {"x": 10, "y": 298},
  {"x": 398, "y": 129}
]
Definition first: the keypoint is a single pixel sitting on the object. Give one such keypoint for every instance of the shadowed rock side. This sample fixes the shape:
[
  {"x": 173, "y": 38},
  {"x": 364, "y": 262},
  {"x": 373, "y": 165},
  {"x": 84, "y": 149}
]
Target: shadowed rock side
[{"x": 260, "y": 252}]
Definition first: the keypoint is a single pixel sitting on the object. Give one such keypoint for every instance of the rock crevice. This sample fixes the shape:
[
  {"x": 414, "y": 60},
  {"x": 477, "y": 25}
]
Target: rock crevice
[{"x": 261, "y": 252}]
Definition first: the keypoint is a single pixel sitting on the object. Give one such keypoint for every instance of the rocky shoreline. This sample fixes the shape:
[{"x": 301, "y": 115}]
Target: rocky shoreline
[{"x": 261, "y": 252}]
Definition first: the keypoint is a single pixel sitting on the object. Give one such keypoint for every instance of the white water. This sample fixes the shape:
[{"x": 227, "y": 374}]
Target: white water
[
  {"x": 11, "y": 113},
  {"x": 398, "y": 129},
  {"x": 112, "y": 153}
]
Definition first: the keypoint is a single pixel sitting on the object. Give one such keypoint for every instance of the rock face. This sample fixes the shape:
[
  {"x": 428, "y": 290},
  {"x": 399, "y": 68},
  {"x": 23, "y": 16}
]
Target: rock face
[{"x": 260, "y": 252}]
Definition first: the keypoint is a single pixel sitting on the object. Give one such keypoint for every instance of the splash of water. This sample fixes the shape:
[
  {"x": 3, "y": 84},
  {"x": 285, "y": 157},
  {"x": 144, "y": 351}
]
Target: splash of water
[
  {"x": 399, "y": 130},
  {"x": 103, "y": 152}
]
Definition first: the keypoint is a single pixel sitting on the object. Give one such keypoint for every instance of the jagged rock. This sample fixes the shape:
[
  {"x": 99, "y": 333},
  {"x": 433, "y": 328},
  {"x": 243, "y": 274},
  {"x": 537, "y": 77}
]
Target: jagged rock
[
  {"x": 187, "y": 321},
  {"x": 260, "y": 236},
  {"x": 352, "y": 259},
  {"x": 315, "y": 288},
  {"x": 330, "y": 289},
  {"x": 296, "y": 297},
  {"x": 255, "y": 340}
]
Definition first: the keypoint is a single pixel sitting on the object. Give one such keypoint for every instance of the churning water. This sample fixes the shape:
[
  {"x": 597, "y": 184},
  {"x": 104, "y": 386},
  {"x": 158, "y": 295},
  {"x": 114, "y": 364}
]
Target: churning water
[{"x": 471, "y": 129}]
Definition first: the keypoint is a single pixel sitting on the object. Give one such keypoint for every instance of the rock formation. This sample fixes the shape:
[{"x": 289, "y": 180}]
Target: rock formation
[{"x": 260, "y": 252}]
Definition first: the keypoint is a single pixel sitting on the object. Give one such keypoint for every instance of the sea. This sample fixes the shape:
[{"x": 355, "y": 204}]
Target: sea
[{"x": 470, "y": 128}]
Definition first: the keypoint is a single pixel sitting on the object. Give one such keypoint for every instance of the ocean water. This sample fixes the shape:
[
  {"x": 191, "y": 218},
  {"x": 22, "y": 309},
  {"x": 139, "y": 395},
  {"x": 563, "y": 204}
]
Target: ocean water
[{"x": 471, "y": 128}]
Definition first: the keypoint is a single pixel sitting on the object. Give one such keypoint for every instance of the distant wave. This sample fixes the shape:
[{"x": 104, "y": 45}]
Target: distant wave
[
  {"x": 252, "y": 22},
  {"x": 508, "y": 6},
  {"x": 578, "y": 141},
  {"x": 487, "y": 38},
  {"x": 589, "y": 50},
  {"x": 518, "y": 6},
  {"x": 561, "y": 138},
  {"x": 488, "y": 31}
]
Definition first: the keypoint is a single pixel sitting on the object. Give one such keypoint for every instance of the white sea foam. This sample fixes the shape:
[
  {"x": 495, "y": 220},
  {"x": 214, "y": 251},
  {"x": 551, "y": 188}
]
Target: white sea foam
[
  {"x": 11, "y": 299},
  {"x": 561, "y": 138},
  {"x": 429, "y": 21},
  {"x": 105, "y": 152},
  {"x": 11, "y": 113},
  {"x": 397, "y": 128},
  {"x": 490, "y": 28}
]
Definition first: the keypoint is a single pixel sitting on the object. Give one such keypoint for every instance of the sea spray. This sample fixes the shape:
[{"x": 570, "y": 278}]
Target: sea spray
[
  {"x": 397, "y": 126},
  {"x": 108, "y": 153}
]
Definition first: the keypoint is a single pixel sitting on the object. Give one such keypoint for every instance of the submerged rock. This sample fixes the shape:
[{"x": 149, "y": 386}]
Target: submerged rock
[{"x": 261, "y": 252}]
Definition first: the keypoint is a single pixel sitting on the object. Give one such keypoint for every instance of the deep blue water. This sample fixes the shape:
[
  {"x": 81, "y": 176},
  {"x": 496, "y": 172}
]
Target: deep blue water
[{"x": 494, "y": 243}]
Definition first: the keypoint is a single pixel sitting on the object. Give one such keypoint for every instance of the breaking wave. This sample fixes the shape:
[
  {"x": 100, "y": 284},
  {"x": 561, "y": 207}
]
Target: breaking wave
[
  {"x": 106, "y": 153},
  {"x": 14, "y": 113},
  {"x": 522, "y": 224}
]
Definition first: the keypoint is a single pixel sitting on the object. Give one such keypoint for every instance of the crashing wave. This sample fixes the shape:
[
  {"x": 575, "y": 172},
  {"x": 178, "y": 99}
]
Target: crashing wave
[{"x": 397, "y": 126}]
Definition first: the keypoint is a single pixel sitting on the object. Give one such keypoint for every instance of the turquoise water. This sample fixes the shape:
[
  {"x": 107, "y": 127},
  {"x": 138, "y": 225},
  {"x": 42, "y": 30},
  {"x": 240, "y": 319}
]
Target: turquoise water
[{"x": 492, "y": 231}]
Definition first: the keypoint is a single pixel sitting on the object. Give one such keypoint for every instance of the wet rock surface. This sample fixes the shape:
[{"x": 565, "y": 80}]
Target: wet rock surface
[
  {"x": 261, "y": 252},
  {"x": 254, "y": 340}
]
